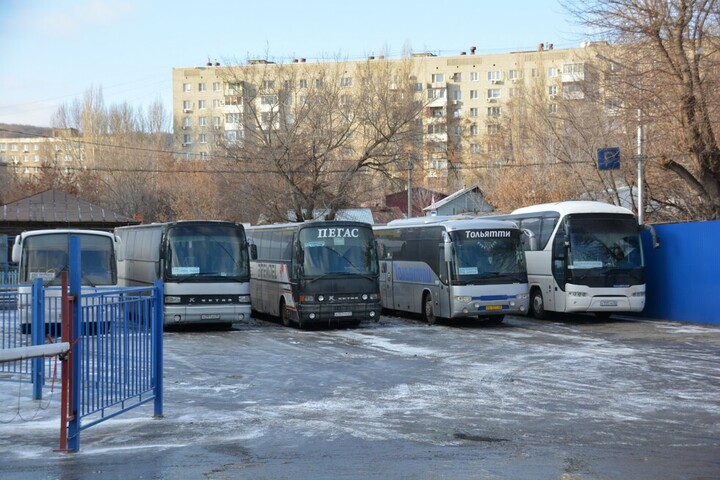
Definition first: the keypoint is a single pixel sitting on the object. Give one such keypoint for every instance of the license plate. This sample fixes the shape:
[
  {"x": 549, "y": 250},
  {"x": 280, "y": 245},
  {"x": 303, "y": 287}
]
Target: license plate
[
  {"x": 343, "y": 314},
  {"x": 608, "y": 303},
  {"x": 210, "y": 317},
  {"x": 494, "y": 307}
]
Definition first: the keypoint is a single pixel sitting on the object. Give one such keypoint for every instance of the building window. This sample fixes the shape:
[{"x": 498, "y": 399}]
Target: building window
[
  {"x": 418, "y": 87},
  {"x": 187, "y": 139},
  {"x": 438, "y": 78},
  {"x": 473, "y": 112},
  {"x": 552, "y": 108},
  {"x": 552, "y": 72},
  {"x": 474, "y": 77},
  {"x": 437, "y": 112},
  {"x": 269, "y": 99},
  {"x": 202, "y": 138},
  {"x": 473, "y": 129},
  {"x": 187, "y": 122},
  {"x": 202, "y": 104},
  {"x": 457, "y": 95},
  {"x": 494, "y": 75},
  {"x": 436, "y": 93},
  {"x": 473, "y": 94},
  {"x": 493, "y": 111},
  {"x": 346, "y": 82},
  {"x": 303, "y": 83},
  {"x": 457, "y": 77},
  {"x": 232, "y": 118},
  {"x": 493, "y": 93},
  {"x": 573, "y": 68},
  {"x": 475, "y": 148},
  {"x": 202, "y": 121},
  {"x": 318, "y": 83},
  {"x": 231, "y": 135},
  {"x": 216, "y": 121},
  {"x": 552, "y": 90},
  {"x": 217, "y": 103},
  {"x": 345, "y": 100},
  {"x": 436, "y": 128},
  {"x": 513, "y": 75},
  {"x": 187, "y": 87},
  {"x": 216, "y": 86},
  {"x": 202, "y": 87},
  {"x": 268, "y": 84},
  {"x": 493, "y": 128}
]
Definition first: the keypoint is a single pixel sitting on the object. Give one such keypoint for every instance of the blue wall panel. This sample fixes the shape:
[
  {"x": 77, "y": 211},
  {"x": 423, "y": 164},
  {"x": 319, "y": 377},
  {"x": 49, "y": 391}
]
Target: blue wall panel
[{"x": 683, "y": 275}]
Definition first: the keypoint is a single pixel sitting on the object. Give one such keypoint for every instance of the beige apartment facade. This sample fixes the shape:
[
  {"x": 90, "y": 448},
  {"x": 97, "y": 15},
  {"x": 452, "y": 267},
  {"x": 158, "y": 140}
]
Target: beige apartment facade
[
  {"x": 465, "y": 98},
  {"x": 26, "y": 155}
]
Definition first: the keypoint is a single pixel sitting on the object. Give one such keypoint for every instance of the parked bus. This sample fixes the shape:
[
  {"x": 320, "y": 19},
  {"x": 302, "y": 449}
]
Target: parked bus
[
  {"x": 320, "y": 273},
  {"x": 443, "y": 267},
  {"x": 589, "y": 258},
  {"x": 44, "y": 254},
  {"x": 203, "y": 264}
]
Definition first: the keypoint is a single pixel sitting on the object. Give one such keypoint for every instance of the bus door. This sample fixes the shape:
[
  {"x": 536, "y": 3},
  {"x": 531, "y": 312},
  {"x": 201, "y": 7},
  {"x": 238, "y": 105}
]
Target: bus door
[
  {"x": 386, "y": 283},
  {"x": 556, "y": 301}
]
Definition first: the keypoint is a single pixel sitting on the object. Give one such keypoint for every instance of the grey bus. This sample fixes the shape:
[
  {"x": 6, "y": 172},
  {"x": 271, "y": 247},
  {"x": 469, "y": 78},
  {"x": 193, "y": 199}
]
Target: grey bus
[{"x": 320, "y": 273}]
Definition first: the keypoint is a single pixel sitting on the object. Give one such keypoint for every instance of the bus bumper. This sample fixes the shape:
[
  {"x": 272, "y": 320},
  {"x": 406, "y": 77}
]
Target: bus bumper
[
  {"x": 182, "y": 315},
  {"x": 338, "y": 314}
]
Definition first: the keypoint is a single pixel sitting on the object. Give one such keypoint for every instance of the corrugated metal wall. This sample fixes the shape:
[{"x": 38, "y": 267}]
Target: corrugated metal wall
[{"x": 683, "y": 275}]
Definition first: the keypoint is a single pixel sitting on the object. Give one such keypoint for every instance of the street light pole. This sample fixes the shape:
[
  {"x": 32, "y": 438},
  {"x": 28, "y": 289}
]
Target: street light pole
[
  {"x": 640, "y": 166},
  {"x": 409, "y": 187}
]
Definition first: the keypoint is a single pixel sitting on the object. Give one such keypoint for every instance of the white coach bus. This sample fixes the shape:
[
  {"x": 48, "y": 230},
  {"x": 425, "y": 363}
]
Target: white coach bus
[
  {"x": 44, "y": 254},
  {"x": 441, "y": 267},
  {"x": 203, "y": 264},
  {"x": 589, "y": 258}
]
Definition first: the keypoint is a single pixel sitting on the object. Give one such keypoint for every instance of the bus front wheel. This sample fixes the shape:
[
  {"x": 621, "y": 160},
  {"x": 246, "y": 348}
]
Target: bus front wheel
[
  {"x": 428, "y": 311},
  {"x": 538, "y": 305},
  {"x": 285, "y": 314}
]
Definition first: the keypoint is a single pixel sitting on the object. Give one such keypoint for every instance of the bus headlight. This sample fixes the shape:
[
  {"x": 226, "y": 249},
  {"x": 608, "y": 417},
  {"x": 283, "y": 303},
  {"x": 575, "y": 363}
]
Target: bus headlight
[
  {"x": 312, "y": 316},
  {"x": 372, "y": 313},
  {"x": 321, "y": 298},
  {"x": 308, "y": 298},
  {"x": 170, "y": 299},
  {"x": 577, "y": 294},
  {"x": 523, "y": 296},
  {"x": 638, "y": 294},
  {"x": 364, "y": 296},
  {"x": 463, "y": 299},
  {"x": 244, "y": 299},
  {"x": 370, "y": 296}
]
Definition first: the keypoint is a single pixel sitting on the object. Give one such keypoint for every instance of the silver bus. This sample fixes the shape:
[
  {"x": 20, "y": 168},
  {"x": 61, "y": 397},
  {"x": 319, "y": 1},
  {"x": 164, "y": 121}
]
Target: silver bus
[
  {"x": 203, "y": 264},
  {"x": 443, "y": 267}
]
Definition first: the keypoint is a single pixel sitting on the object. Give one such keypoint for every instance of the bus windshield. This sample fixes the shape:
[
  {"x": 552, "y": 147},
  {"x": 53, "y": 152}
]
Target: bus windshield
[
  {"x": 338, "y": 250},
  {"x": 201, "y": 251},
  {"x": 597, "y": 241},
  {"x": 45, "y": 256},
  {"x": 482, "y": 256}
]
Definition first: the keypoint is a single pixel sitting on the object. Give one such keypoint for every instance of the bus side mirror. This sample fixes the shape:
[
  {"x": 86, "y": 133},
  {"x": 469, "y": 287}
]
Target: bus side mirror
[
  {"x": 253, "y": 251},
  {"x": 119, "y": 249},
  {"x": 531, "y": 239},
  {"x": 448, "y": 251},
  {"x": 16, "y": 250}
]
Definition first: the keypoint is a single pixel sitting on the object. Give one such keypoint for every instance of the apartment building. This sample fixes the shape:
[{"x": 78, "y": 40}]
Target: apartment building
[
  {"x": 465, "y": 97},
  {"x": 26, "y": 155}
]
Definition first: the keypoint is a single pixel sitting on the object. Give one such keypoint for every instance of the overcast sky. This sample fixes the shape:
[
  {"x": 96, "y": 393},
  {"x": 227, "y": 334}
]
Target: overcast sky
[{"x": 54, "y": 51}]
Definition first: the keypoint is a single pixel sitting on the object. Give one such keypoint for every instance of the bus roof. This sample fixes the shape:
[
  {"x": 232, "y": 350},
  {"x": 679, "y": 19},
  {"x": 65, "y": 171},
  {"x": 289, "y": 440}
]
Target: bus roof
[
  {"x": 71, "y": 231},
  {"x": 573, "y": 206},
  {"x": 450, "y": 223},
  {"x": 307, "y": 223}
]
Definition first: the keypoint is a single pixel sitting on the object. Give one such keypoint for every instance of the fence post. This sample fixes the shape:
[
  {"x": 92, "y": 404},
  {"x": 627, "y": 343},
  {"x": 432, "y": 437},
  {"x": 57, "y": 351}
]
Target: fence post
[
  {"x": 75, "y": 291},
  {"x": 158, "y": 319},
  {"x": 37, "y": 335}
]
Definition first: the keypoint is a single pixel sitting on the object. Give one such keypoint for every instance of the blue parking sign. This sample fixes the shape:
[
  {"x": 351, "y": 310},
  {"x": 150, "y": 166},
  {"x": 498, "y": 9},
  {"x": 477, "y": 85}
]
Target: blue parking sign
[{"x": 608, "y": 158}]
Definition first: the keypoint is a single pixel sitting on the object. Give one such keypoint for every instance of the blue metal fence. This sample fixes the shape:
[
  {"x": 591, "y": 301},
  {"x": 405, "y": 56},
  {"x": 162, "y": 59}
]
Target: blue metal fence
[
  {"x": 116, "y": 350},
  {"x": 683, "y": 275}
]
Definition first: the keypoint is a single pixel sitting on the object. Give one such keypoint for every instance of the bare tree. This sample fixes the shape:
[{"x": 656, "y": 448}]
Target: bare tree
[
  {"x": 666, "y": 68},
  {"x": 117, "y": 152},
  {"x": 317, "y": 137}
]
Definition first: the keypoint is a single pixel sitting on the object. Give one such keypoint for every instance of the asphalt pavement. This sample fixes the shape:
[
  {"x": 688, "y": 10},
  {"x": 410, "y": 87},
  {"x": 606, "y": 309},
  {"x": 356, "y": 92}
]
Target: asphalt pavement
[{"x": 570, "y": 398}]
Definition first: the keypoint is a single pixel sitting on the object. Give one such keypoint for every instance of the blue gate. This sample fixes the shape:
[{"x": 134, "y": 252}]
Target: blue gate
[{"x": 115, "y": 336}]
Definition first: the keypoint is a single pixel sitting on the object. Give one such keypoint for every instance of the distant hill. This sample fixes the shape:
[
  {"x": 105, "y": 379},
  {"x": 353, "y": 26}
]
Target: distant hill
[{"x": 13, "y": 130}]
